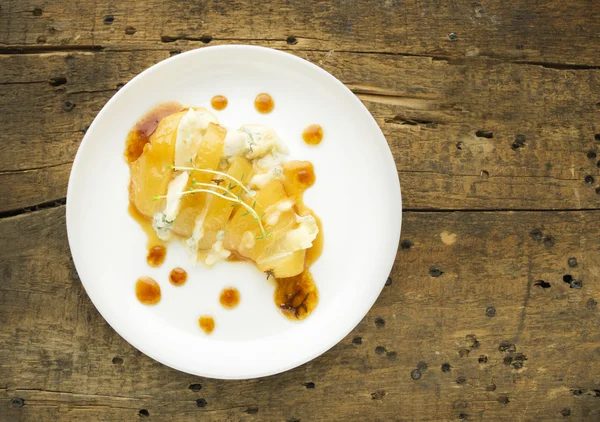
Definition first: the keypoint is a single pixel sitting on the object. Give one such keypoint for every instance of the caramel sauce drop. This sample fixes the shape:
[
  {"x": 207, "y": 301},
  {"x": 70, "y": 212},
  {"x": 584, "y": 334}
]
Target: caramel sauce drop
[
  {"x": 207, "y": 323},
  {"x": 147, "y": 291},
  {"x": 264, "y": 103},
  {"x": 218, "y": 102},
  {"x": 313, "y": 135},
  {"x": 156, "y": 256},
  {"x": 178, "y": 276},
  {"x": 230, "y": 298},
  {"x": 139, "y": 136},
  {"x": 296, "y": 296}
]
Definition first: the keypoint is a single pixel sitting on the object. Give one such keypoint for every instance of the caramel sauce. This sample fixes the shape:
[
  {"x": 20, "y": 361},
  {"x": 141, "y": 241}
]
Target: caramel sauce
[
  {"x": 230, "y": 298},
  {"x": 264, "y": 103},
  {"x": 156, "y": 247},
  {"x": 207, "y": 323},
  {"x": 147, "y": 291},
  {"x": 156, "y": 256},
  {"x": 313, "y": 135},
  {"x": 218, "y": 102},
  {"x": 178, "y": 276},
  {"x": 139, "y": 136},
  {"x": 296, "y": 296}
]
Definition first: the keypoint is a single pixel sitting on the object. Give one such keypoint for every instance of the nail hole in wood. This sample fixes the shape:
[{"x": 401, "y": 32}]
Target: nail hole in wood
[
  {"x": 482, "y": 359},
  {"x": 309, "y": 385},
  {"x": 68, "y": 105},
  {"x": 380, "y": 350},
  {"x": 491, "y": 311},
  {"x": 201, "y": 403},
  {"x": 17, "y": 402},
  {"x": 144, "y": 413},
  {"x": 566, "y": 412},
  {"x": 37, "y": 11},
  {"x": 543, "y": 284},
  {"x": 572, "y": 262},
  {"x": 460, "y": 145},
  {"x": 484, "y": 134},
  {"x": 41, "y": 40},
  {"x": 503, "y": 399},
  {"x": 357, "y": 340},
  {"x": 591, "y": 155},
  {"x": 195, "y": 387},
  {"x": 576, "y": 284},
  {"x": 406, "y": 244},
  {"x": 291, "y": 40},
  {"x": 252, "y": 410},
  {"x": 589, "y": 180},
  {"x": 567, "y": 278},
  {"x": 435, "y": 272},
  {"x": 108, "y": 19},
  {"x": 377, "y": 395},
  {"x": 57, "y": 81},
  {"x": 591, "y": 303},
  {"x": 518, "y": 143},
  {"x": 379, "y": 322},
  {"x": 388, "y": 282},
  {"x": 452, "y": 36},
  {"x": 415, "y": 374},
  {"x": 597, "y": 137},
  {"x": 206, "y": 39},
  {"x": 491, "y": 387},
  {"x": 461, "y": 380},
  {"x": 422, "y": 366},
  {"x": 536, "y": 234},
  {"x": 446, "y": 367},
  {"x": 117, "y": 361},
  {"x": 506, "y": 346},
  {"x": 130, "y": 30}
]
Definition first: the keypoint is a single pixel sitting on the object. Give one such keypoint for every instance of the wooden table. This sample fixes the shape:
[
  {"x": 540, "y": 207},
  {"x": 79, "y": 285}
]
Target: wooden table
[{"x": 492, "y": 111}]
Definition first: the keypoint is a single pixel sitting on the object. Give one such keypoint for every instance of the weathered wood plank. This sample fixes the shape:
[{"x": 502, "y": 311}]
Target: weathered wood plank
[
  {"x": 59, "y": 355},
  {"x": 555, "y": 32},
  {"x": 454, "y": 129}
]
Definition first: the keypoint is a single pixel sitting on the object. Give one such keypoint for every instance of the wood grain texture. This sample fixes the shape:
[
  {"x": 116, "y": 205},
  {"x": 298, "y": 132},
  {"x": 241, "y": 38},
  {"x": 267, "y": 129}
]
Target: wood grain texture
[
  {"x": 556, "y": 32},
  {"x": 540, "y": 351},
  {"x": 482, "y": 135},
  {"x": 490, "y": 108}
]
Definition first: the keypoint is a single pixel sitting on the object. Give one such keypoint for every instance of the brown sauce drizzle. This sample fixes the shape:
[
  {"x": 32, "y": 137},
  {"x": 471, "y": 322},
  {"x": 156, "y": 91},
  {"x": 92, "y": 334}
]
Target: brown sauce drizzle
[
  {"x": 147, "y": 291},
  {"x": 296, "y": 296},
  {"x": 313, "y": 135},
  {"x": 230, "y": 298},
  {"x": 264, "y": 103},
  {"x": 218, "y": 102},
  {"x": 139, "y": 136},
  {"x": 178, "y": 276},
  {"x": 156, "y": 247},
  {"x": 207, "y": 323}
]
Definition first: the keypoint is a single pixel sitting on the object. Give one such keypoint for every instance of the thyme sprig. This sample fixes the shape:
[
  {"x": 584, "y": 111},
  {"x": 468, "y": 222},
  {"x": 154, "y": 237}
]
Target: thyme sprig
[{"x": 226, "y": 193}]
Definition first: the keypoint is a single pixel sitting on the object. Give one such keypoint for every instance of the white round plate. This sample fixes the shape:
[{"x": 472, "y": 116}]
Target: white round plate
[{"x": 357, "y": 196}]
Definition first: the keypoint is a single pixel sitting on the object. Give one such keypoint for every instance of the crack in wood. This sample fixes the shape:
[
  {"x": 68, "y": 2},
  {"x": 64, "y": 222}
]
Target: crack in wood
[
  {"x": 37, "y": 49},
  {"x": 55, "y": 203}
]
